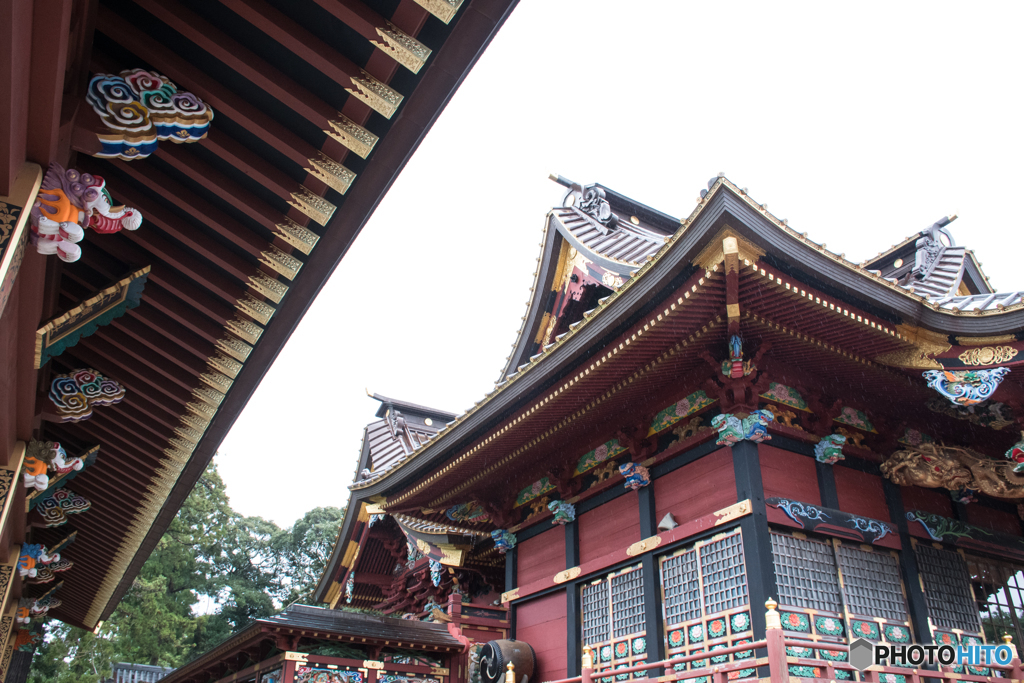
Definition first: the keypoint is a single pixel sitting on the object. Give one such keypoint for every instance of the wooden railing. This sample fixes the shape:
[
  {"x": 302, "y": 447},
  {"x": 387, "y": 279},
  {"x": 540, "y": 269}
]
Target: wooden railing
[{"x": 778, "y": 662}]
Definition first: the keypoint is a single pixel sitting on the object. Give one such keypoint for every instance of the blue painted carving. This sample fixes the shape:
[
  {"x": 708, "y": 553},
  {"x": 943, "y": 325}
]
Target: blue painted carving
[
  {"x": 564, "y": 512},
  {"x": 830, "y": 521},
  {"x": 503, "y": 540},
  {"x": 732, "y": 429},
  {"x": 966, "y": 387},
  {"x": 637, "y": 476},
  {"x": 830, "y": 449},
  {"x": 435, "y": 572}
]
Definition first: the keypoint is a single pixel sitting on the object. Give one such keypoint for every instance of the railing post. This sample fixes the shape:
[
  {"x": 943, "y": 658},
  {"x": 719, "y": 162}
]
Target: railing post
[
  {"x": 1016, "y": 673},
  {"x": 775, "y": 642},
  {"x": 587, "y": 664},
  {"x": 510, "y": 673}
]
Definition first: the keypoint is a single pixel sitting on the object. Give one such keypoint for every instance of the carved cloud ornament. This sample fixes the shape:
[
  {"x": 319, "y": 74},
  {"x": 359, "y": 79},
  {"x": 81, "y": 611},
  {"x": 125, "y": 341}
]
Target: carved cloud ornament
[{"x": 139, "y": 108}]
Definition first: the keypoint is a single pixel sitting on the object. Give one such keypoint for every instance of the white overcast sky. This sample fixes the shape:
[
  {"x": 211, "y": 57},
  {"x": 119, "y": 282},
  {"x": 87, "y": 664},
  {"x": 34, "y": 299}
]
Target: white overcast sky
[{"x": 861, "y": 123}]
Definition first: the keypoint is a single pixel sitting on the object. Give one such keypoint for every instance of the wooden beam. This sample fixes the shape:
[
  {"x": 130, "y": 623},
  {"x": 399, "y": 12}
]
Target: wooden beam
[
  {"x": 130, "y": 334},
  {"x": 150, "y": 321},
  {"x": 51, "y": 29},
  {"x": 15, "y": 62},
  {"x": 199, "y": 208},
  {"x": 244, "y": 62},
  {"x": 314, "y": 51},
  {"x": 179, "y": 70},
  {"x": 380, "y": 32},
  {"x": 230, "y": 191}
]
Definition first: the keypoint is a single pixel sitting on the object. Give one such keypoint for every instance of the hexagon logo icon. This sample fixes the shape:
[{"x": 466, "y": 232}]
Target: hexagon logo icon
[{"x": 862, "y": 654}]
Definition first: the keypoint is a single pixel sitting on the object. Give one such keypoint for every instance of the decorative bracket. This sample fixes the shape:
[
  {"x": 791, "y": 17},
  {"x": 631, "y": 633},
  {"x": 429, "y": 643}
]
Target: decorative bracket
[{"x": 966, "y": 387}]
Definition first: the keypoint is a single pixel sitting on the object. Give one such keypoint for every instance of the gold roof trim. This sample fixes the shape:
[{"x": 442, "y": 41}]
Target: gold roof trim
[
  {"x": 982, "y": 341},
  {"x": 713, "y": 254}
]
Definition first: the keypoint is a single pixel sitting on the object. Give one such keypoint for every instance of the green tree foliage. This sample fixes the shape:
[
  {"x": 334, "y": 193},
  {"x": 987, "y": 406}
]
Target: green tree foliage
[{"x": 211, "y": 573}]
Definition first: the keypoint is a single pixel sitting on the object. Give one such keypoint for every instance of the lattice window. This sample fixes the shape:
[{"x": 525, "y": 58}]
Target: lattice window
[
  {"x": 947, "y": 588},
  {"x": 999, "y": 593},
  {"x": 866, "y": 603},
  {"x": 725, "y": 577},
  {"x": 806, "y": 573},
  {"x": 681, "y": 584},
  {"x": 627, "y": 603},
  {"x": 706, "y": 602},
  {"x": 595, "y": 613},
  {"x": 871, "y": 581},
  {"x": 613, "y": 621}
]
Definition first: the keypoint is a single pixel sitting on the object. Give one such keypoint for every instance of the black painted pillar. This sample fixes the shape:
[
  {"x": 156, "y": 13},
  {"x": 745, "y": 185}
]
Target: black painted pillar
[
  {"x": 573, "y": 610},
  {"x": 653, "y": 623},
  {"x": 827, "y": 485},
  {"x": 757, "y": 543},
  {"x": 908, "y": 564},
  {"x": 511, "y": 571}
]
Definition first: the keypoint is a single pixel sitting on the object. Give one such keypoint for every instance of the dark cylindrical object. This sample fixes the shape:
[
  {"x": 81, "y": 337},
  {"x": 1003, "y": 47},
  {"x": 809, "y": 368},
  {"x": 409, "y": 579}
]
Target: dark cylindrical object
[{"x": 495, "y": 656}]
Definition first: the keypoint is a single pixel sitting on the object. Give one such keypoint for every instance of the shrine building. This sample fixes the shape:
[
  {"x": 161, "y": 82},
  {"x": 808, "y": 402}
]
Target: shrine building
[
  {"x": 178, "y": 180},
  {"x": 712, "y": 435}
]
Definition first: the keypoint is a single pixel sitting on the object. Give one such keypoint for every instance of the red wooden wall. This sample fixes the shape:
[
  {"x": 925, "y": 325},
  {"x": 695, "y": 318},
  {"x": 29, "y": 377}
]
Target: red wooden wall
[
  {"x": 541, "y": 557},
  {"x": 697, "y": 489},
  {"x": 610, "y": 527},
  {"x": 995, "y": 520},
  {"x": 788, "y": 475},
  {"x": 927, "y": 500},
  {"x": 861, "y": 493},
  {"x": 541, "y": 623}
]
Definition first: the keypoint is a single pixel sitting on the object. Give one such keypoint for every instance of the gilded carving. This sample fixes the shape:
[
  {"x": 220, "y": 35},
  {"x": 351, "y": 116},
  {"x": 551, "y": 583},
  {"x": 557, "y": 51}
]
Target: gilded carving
[
  {"x": 14, "y": 221},
  {"x": 401, "y": 47},
  {"x": 216, "y": 380},
  {"x": 208, "y": 395},
  {"x": 352, "y": 135},
  {"x": 714, "y": 253},
  {"x": 234, "y": 348},
  {"x": 195, "y": 422},
  {"x": 186, "y": 432},
  {"x": 567, "y": 575},
  {"x": 201, "y": 410},
  {"x": 332, "y": 173},
  {"x": 182, "y": 446},
  {"x": 283, "y": 263},
  {"x": 511, "y": 595},
  {"x": 268, "y": 286},
  {"x": 952, "y": 467},
  {"x": 375, "y": 94},
  {"x": 225, "y": 365},
  {"x": 255, "y": 309},
  {"x": 926, "y": 343},
  {"x": 247, "y": 331},
  {"x": 65, "y": 331},
  {"x": 317, "y": 208},
  {"x": 442, "y": 9},
  {"x": 297, "y": 236},
  {"x": 988, "y": 355}
]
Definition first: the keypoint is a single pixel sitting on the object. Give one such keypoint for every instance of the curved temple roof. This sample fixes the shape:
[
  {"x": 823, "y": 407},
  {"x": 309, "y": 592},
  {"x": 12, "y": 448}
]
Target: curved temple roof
[{"x": 858, "y": 321}]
